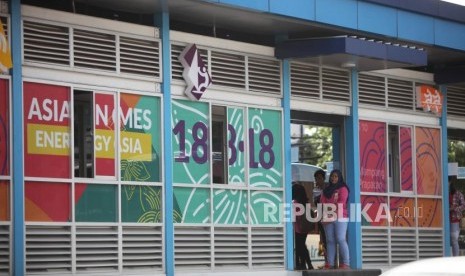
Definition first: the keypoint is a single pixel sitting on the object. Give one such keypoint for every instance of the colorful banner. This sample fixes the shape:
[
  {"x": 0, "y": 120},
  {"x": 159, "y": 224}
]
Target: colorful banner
[
  {"x": 47, "y": 202},
  {"x": 47, "y": 130},
  {"x": 406, "y": 174},
  {"x": 95, "y": 203},
  {"x": 104, "y": 138},
  {"x": 236, "y": 145},
  {"x": 403, "y": 211},
  {"x": 5, "y": 53},
  {"x": 4, "y": 128},
  {"x": 141, "y": 204},
  {"x": 265, "y": 148},
  {"x": 191, "y": 162},
  {"x": 192, "y": 205},
  {"x": 372, "y": 137},
  {"x": 428, "y": 155},
  {"x": 140, "y": 138},
  {"x": 230, "y": 206},
  {"x": 4, "y": 200},
  {"x": 430, "y": 99},
  {"x": 431, "y": 212},
  {"x": 376, "y": 209}
]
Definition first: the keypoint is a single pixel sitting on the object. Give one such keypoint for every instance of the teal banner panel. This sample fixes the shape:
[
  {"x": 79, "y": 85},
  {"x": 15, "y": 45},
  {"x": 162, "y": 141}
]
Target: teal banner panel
[
  {"x": 90, "y": 206},
  {"x": 266, "y": 207},
  {"x": 265, "y": 148},
  {"x": 193, "y": 205},
  {"x": 229, "y": 206},
  {"x": 236, "y": 156},
  {"x": 190, "y": 138},
  {"x": 141, "y": 204}
]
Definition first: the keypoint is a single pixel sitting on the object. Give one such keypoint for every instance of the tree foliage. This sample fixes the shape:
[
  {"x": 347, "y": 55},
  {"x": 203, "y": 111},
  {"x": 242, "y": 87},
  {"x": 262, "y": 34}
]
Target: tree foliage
[{"x": 315, "y": 145}]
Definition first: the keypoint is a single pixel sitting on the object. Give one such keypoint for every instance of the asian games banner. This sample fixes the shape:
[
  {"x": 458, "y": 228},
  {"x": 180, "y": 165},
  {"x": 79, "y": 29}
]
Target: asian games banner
[{"x": 47, "y": 130}]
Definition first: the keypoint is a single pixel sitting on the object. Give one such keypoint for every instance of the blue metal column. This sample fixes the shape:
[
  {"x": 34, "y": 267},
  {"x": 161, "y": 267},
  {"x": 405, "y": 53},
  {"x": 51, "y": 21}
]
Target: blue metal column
[
  {"x": 162, "y": 21},
  {"x": 336, "y": 137},
  {"x": 286, "y": 104},
  {"x": 17, "y": 144},
  {"x": 445, "y": 173},
  {"x": 353, "y": 175}
]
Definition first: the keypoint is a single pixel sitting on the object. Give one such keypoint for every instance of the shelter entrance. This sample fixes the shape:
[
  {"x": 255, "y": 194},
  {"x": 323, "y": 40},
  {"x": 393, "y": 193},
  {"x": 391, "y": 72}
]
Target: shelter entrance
[{"x": 317, "y": 143}]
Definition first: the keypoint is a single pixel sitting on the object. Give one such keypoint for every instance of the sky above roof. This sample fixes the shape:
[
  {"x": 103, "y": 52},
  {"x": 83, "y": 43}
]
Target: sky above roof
[{"x": 458, "y": 2}]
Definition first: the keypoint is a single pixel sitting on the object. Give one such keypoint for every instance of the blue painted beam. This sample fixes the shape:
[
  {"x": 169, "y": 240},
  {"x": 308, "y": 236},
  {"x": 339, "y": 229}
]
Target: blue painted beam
[
  {"x": 286, "y": 104},
  {"x": 353, "y": 175},
  {"x": 445, "y": 174},
  {"x": 18, "y": 265},
  {"x": 434, "y": 8},
  {"x": 162, "y": 21}
]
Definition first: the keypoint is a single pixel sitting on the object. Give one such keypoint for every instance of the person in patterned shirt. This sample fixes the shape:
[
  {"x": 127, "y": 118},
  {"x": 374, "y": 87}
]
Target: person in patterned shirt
[{"x": 456, "y": 208}]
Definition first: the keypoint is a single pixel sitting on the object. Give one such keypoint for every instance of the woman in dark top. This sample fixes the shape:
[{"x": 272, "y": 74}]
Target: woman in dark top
[{"x": 299, "y": 198}]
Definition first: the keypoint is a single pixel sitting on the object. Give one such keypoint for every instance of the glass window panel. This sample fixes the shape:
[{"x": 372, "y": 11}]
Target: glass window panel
[
  {"x": 265, "y": 207},
  {"x": 428, "y": 156},
  {"x": 265, "y": 148},
  {"x": 372, "y": 156},
  {"x": 47, "y": 202},
  {"x": 141, "y": 204},
  {"x": 377, "y": 210},
  {"x": 4, "y": 200},
  {"x": 47, "y": 130},
  {"x": 140, "y": 138},
  {"x": 403, "y": 211},
  {"x": 190, "y": 136},
  {"x": 230, "y": 206},
  {"x": 191, "y": 205},
  {"x": 430, "y": 212},
  {"x": 4, "y": 128},
  {"x": 95, "y": 203}
]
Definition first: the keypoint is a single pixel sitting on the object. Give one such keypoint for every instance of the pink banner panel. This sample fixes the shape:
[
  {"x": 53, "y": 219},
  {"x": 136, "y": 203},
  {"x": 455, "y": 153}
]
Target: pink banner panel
[
  {"x": 403, "y": 211},
  {"x": 4, "y": 128},
  {"x": 375, "y": 210},
  {"x": 428, "y": 155},
  {"x": 430, "y": 214},
  {"x": 372, "y": 156},
  {"x": 406, "y": 159}
]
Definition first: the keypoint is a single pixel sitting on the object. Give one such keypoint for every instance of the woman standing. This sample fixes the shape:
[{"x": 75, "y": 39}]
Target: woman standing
[
  {"x": 456, "y": 208},
  {"x": 302, "y": 257},
  {"x": 335, "y": 197}
]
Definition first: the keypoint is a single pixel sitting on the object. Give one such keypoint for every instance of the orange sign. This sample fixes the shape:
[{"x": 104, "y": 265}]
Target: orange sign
[
  {"x": 430, "y": 99},
  {"x": 5, "y": 55}
]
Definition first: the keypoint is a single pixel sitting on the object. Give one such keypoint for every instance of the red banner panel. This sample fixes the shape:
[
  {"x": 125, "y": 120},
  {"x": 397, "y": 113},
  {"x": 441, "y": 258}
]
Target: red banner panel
[
  {"x": 47, "y": 130},
  {"x": 104, "y": 138},
  {"x": 47, "y": 201},
  {"x": 4, "y": 200},
  {"x": 4, "y": 128}
]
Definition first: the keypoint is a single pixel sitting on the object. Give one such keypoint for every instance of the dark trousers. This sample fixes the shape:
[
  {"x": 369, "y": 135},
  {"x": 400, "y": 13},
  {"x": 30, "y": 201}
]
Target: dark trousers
[{"x": 302, "y": 256}]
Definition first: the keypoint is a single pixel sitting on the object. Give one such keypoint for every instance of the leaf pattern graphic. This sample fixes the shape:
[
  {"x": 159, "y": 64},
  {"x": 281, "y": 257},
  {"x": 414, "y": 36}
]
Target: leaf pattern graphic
[
  {"x": 143, "y": 203},
  {"x": 134, "y": 170},
  {"x": 150, "y": 216},
  {"x": 177, "y": 216},
  {"x": 129, "y": 191}
]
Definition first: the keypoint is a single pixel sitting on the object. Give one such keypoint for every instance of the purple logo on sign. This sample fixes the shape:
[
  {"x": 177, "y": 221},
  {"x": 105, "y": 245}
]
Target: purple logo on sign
[{"x": 195, "y": 72}]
